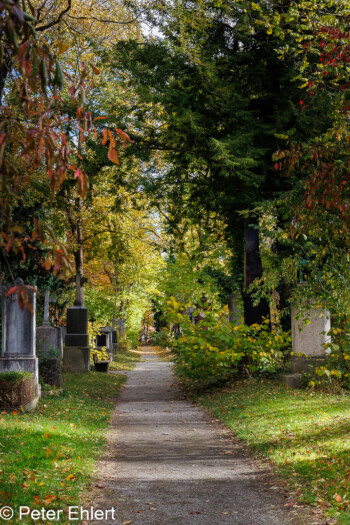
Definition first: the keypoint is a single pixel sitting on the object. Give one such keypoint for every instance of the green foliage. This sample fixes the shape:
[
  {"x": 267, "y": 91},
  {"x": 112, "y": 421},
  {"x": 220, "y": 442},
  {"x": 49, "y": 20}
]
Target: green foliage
[
  {"x": 215, "y": 351},
  {"x": 335, "y": 374},
  {"x": 14, "y": 377},
  {"x": 162, "y": 338},
  {"x": 227, "y": 103}
]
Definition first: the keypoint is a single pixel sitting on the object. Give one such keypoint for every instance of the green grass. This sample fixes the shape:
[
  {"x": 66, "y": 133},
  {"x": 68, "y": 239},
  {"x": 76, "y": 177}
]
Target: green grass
[
  {"x": 306, "y": 435},
  {"x": 126, "y": 360},
  {"x": 47, "y": 456}
]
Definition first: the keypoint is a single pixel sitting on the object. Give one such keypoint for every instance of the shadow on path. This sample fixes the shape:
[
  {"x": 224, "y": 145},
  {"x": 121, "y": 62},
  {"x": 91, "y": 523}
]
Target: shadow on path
[{"x": 168, "y": 463}]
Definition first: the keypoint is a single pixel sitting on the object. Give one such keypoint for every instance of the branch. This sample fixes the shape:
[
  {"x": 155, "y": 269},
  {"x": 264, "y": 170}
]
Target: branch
[
  {"x": 57, "y": 21},
  {"x": 102, "y": 20}
]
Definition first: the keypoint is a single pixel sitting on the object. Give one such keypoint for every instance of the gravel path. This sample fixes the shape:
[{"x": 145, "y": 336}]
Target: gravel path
[{"x": 168, "y": 463}]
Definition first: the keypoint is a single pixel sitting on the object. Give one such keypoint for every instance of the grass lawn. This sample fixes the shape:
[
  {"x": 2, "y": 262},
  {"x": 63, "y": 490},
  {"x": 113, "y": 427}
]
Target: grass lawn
[
  {"x": 125, "y": 360},
  {"x": 306, "y": 435},
  {"x": 47, "y": 457}
]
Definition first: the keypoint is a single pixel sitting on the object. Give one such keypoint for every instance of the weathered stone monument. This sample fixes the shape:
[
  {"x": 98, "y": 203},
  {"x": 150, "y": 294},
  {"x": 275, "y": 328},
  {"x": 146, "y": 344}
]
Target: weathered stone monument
[
  {"x": 309, "y": 335},
  {"x": 18, "y": 337},
  {"x": 105, "y": 339},
  {"x": 47, "y": 336},
  {"x": 121, "y": 326},
  {"x": 48, "y": 346},
  {"x": 235, "y": 306},
  {"x": 274, "y": 310}
]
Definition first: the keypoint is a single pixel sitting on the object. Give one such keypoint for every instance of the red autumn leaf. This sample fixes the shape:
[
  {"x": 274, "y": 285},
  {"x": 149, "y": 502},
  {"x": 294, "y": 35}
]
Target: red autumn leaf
[
  {"x": 49, "y": 499},
  {"x": 11, "y": 291},
  {"x": 95, "y": 70},
  {"x": 83, "y": 182},
  {"x": 113, "y": 156},
  {"x": 112, "y": 141},
  {"x": 104, "y": 134},
  {"x": 2, "y": 138},
  {"x": 78, "y": 173},
  {"x": 124, "y": 136}
]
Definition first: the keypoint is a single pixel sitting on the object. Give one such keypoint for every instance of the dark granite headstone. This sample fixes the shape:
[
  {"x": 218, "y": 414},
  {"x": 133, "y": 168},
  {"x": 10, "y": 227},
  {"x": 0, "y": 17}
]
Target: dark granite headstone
[
  {"x": 101, "y": 340},
  {"x": 77, "y": 327},
  {"x": 114, "y": 336},
  {"x": 76, "y": 356}
]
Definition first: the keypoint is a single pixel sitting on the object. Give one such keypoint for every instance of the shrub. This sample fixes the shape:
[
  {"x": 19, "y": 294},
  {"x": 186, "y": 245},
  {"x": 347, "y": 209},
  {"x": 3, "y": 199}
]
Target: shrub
[
  {"x": 214, "y": 350},
  {"x": 14, "y": 377}
]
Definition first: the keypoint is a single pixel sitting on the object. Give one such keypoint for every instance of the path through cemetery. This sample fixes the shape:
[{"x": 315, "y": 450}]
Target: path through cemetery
[{"x": 168, "y": 463}]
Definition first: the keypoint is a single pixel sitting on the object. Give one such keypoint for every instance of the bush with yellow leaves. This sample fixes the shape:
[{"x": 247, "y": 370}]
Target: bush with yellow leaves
[{"x": 214, "y": 350}]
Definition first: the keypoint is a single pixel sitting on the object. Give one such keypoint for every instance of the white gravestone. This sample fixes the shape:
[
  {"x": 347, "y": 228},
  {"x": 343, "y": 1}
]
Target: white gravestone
[{"x": 310, "y": 338}]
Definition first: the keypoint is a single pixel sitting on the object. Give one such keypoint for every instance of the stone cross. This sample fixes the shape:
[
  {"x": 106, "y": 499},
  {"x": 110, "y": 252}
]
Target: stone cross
[{"x": 47, "y": 302}]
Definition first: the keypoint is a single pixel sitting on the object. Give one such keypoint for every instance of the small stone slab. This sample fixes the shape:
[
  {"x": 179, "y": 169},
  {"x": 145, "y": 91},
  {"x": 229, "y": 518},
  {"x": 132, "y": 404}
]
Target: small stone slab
[
  {"x": 292, "y": 380},
  {"x": 76, "y": 359}
]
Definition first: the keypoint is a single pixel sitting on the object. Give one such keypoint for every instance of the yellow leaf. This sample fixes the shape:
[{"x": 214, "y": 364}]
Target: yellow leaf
[{"x": 70, "y": 476}]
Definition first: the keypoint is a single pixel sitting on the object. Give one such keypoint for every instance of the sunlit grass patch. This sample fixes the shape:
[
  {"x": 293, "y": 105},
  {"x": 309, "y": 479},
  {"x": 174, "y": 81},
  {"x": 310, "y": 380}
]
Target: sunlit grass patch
[
  {"x": 47, "y": 457},
  {"x": 126, "y": 360},
  {"x": 306, "y": 435}
]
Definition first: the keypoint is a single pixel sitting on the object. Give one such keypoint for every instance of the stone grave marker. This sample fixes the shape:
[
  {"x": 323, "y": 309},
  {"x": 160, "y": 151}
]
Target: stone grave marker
[
  {"x": 235, "y": 306},
  {"x": 48, "y": 345},
  {"x": 18, "y": 339},
  {"x": 308, "y": 339},
  {"x": 106, "y": 339}
]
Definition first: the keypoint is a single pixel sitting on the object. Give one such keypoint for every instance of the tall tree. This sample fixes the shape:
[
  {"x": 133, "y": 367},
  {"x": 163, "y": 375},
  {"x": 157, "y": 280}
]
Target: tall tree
[{"x": 216, "y": 100}]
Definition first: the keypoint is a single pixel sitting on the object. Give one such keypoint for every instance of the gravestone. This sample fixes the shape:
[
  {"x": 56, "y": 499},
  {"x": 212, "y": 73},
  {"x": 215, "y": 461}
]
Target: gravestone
[
  {"x": 76, "y": 355},
  {"x": 308, "y": 339},
  {"x": 61, "y": 338},
  {"x": 48, "y": 346},
  {"x": 47, "y": 336},
  {"x": 106, "y": 338},
  {"x": 235, "y": 306},
  {"x": 101, "y": 340},
  {"x": 190, "y": 313},
  {"x": 121, "y": 326},
  {"x": 18, "y": 338},
  {"x": 274, "y": 310}
]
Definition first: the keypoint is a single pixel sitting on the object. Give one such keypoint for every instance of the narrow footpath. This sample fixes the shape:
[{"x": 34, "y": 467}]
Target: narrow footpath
[{"x": 168, "y": 463}]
